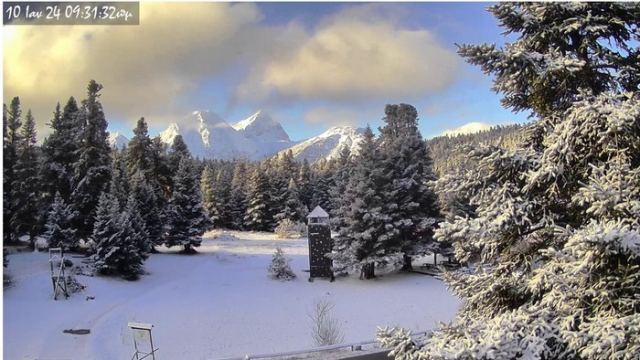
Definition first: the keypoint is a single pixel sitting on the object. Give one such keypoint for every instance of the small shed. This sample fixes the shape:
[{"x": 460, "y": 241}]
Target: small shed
[{"x": 320, "y": 244}]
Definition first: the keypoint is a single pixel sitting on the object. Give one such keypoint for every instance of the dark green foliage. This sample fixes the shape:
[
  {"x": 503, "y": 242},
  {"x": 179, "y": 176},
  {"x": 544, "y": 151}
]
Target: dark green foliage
[
  {"x": 117, "y": 251},
  {"x": 59, "y": 152},
  {"x": 24, "y": 187},
  {"x": 259, "y": 216},
  {"x": 185, "y": 217},
  {"x": 10, "y": 158},
  {"x": 409, "y": 202},
  {"x": 59, "y": 227},
  {"x": 92, "y": 171}
]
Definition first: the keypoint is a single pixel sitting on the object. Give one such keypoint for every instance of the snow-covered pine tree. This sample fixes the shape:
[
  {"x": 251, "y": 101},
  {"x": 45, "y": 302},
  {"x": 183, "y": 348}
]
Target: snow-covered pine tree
[
  {"x": 208, "y": 195},
  {"x": 361, "y": 240},
  {"x": 25, "y": 185},
  {"x": 59, "y": 226},
  {"x": 279, "y": 267},
  {"x": 259, "y": 216},
  {"x": 410, "y": 202},
  {"x": 10, "y": 157},
  {"x": 554, "y": 244},
  {"x": 293, "y": 209},
  {"x": 321, "y": 185},
  {"x": 177, "y": 152},
  {"x": 341, "y": 170},
  {"x": 305, "y": 184},
  {"x": 139, "y": 233},
  {"x": 150, "y": 205},
  {"x": 138, "y": 157},
  {"x": 160, "y": 176},
  {"x": 92, "y": 170},
  {"x": 222, "y": 190},
  {"x": 185, "y": 217},
  {"x": 117, "y": 252},
  {"x": 119, "y": 185},
  {"x": 59, "y": 152},
  {"x": 5, "y": 188},
  {"x": 238, "y": 197}
]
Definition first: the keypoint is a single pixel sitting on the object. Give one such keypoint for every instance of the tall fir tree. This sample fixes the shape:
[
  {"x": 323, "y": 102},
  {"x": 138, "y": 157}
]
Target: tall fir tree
[
  {"x": 11, "y": 144},
  {"x": 293, "y": 208},
  {"x": 59, "y": 226},
  {"x": 149, "y": 203},
  {"x": 139, "y": 233},
  {"x": 410, "y": 203},
  {"x": 238, "y": 197},
  {"x": 362, "y": 241},
  {"x": 185, "y": 217},
  {"x": 117, "y": 252},
  {"x": 341, "y": 168},
  {"x": 92, "y": 170},
  {"x": 207, "y": 188},
  {"x": 59, "y": 152},
  {"x": 259, "y": 216},
  {"x": 553, "y": 241},
  {"x": 138, "y": 156},
  {"x": 304, "y": 182},
  {"x": 25, "y": 184}
]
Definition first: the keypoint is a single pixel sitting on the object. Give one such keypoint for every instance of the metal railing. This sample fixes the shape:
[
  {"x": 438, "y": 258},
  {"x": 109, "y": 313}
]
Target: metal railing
[{"x": 352, "y": 346}]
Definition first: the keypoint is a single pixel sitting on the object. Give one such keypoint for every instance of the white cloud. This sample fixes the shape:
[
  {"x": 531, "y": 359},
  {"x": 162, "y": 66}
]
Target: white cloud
[
  {"x": 355, "y": 55},
  {"x": 469, "y": 128},
  {"x": 147, "y": 70}
]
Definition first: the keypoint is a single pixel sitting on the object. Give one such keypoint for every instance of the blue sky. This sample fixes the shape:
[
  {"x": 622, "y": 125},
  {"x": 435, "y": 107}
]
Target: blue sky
[{"x": 310, "y": 65}]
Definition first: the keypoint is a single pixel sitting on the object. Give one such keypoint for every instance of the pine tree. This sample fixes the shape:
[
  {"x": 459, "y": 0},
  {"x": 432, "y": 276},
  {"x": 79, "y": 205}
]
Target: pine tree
[
  {"x": 321, "y": 190},
  {"x": 362, "y": 241},
  {"x": 238, "y": 197},
  {"x": 553, "y": 241},
  {"x": 92, "y": 170},
  {"x": 117, "y": 252},
  {"x": 11, "y": 144},
  {"x": 24, "y": 187},
  {"x": 208, "y": 195},
  {"x": 178, "y": 151},
  {"x": 410, "y": 203},
  {"x": 293, "y": 209},
  {"x": 150, "y": 206},
  {"x": 259, "y": 215},
  {"x": 139, "y": 233},
  {"x": 341, "y": 168},
  {"x": 59, "y": 227},
  {"x": 304, "y": 181},
  {"x": 139, "y": 150},
  {"x": 59, "y": 151},
  {"x": 185, "y": 216},
  {"x": 279, "y": 267},
  {"x": 119, "y": 185}
]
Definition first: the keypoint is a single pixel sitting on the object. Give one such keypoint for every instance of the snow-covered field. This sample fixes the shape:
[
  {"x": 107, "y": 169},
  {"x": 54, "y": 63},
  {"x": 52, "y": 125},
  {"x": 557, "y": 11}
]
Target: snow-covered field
[{"x": 215, "y": 304}]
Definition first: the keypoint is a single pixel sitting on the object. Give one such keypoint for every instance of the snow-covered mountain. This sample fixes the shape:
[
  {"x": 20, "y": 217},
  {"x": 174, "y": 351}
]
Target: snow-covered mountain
[
  {"x": 328, "y": 144},
  {"x": 117, "y": 140},
  {"x": 259, "y": 136},
  {"x": 208, "y": 136}
]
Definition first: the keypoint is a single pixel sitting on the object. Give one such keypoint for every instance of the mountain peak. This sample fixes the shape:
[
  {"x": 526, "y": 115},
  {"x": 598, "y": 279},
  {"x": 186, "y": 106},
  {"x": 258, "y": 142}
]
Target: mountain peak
[
  {"x": 261, "y": 125},
  {"x": 117, "y": 140}
]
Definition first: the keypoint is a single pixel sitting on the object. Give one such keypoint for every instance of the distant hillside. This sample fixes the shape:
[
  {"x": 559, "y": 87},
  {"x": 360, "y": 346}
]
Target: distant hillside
[{"x": 448, "y": 151}]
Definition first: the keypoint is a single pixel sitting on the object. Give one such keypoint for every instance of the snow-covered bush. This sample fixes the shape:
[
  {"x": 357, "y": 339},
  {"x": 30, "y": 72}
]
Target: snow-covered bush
[
  {"x": 41, "y": 243},
  {"x": 287, "y": 229},
  {"x": 279, "y": 268},
  {"x": 325, "y": 329}
]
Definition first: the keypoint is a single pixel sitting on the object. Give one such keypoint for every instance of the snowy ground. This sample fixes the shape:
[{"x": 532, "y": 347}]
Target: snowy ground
[{"x": 216, "y": 304}]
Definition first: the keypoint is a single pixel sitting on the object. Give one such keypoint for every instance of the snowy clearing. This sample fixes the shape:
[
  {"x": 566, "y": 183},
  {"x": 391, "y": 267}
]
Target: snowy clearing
[{"x": 215, "y": 304}]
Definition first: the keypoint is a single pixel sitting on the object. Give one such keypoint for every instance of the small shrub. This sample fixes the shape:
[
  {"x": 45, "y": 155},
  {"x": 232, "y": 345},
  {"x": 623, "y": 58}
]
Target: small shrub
[
  {"x": 279, "y": 268},
  {"x": 325, "y": 329},
  {"x": 287, "y": 229}
]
